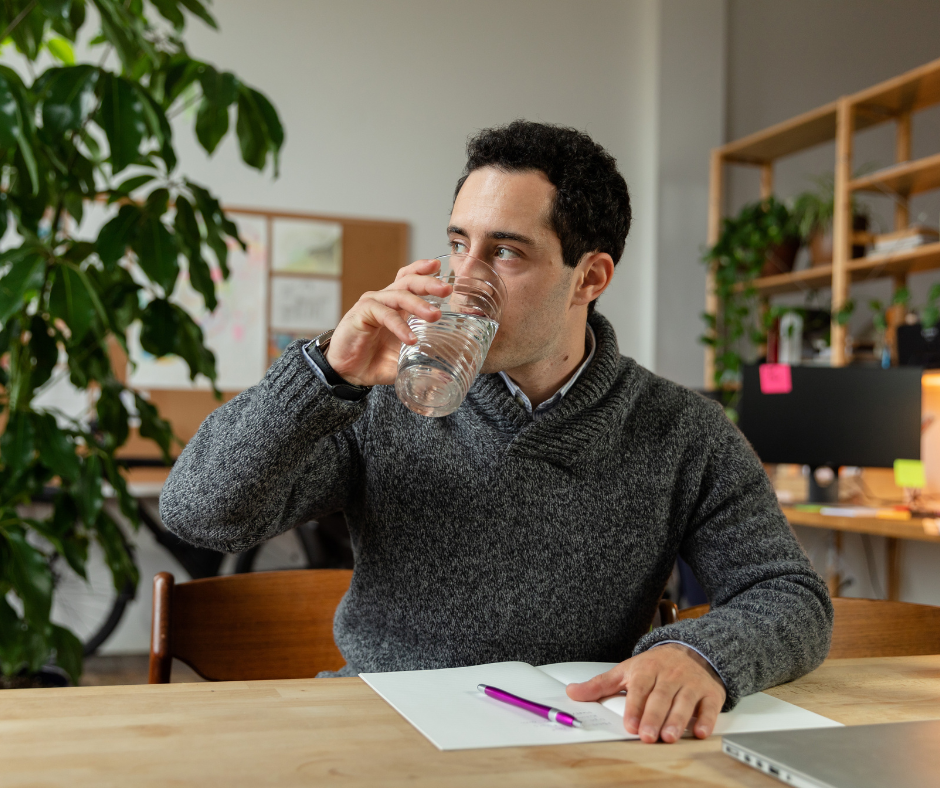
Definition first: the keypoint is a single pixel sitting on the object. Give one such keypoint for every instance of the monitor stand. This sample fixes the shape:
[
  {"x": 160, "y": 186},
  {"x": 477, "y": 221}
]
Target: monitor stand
[{"x": 823, "y": 484}]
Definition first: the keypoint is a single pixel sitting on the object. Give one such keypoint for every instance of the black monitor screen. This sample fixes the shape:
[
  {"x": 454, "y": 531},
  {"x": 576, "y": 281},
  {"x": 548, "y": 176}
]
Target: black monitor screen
[{"x": 835, "y": 416}]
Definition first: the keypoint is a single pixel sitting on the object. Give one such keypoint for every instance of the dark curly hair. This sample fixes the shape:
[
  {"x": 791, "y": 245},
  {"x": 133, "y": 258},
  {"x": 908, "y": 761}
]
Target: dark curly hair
[{"x": 591, "y": 210}]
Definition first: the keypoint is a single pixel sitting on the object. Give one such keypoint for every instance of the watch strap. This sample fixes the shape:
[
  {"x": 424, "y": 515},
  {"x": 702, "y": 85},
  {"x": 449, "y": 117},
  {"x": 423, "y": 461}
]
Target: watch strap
[{"x": 336, "y": 383}]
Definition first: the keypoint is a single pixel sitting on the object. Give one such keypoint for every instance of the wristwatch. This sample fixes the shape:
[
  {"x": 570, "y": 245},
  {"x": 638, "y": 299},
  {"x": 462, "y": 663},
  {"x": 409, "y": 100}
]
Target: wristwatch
[{"x": 339, "y": 387}]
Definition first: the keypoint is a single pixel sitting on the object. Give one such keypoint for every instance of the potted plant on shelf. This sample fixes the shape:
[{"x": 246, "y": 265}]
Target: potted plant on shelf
[
  {"x": 762, "y": 240},
  {"x": 813, "y": 212},
  {"x": 84, "y": 132}
]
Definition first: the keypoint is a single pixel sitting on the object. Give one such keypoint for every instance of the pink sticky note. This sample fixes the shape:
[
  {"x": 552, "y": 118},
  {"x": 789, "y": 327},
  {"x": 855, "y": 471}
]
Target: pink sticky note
[{"x": 775, "y": 379}]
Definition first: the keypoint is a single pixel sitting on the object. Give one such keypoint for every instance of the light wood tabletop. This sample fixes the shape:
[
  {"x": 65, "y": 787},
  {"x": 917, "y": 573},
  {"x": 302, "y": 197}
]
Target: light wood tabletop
[{"x": 339, "y": 732}]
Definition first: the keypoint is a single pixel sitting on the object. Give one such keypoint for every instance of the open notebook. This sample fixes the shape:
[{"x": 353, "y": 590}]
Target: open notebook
[{"x": 447, "y": 708}]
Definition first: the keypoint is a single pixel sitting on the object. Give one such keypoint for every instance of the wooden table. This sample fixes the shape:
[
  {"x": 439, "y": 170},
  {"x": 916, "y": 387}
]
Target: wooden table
[
  {"x": 893, "y": 530},
  {"x": 339, "y": 732}
]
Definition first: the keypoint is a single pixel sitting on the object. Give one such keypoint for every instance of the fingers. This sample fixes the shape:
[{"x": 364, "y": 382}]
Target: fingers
[
  {"x": 708, "y": 711},
  {"x": 421, "y": 285},
  {"x": 402, "y": 300},
  {"x": 683, "y": 707},
  {"x": 638, "y": 691},
  {"x": 423, "y": 267},
  {"x": 385, "y": 316},
  {"x": 602, "y": 686}
]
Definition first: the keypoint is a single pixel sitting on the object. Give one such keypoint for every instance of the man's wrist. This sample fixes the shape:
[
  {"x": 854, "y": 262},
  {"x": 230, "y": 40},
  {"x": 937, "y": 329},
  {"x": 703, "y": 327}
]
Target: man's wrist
[{"x": 315, "y": 354}]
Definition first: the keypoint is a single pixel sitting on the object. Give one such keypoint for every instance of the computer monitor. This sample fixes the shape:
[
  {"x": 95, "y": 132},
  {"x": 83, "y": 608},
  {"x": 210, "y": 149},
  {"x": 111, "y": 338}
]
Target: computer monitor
[{"x": 862, "y": 416}]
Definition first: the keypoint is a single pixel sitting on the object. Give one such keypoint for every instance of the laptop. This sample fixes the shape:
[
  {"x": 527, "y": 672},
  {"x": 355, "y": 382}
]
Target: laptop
[{"x": 896, "y": 755}]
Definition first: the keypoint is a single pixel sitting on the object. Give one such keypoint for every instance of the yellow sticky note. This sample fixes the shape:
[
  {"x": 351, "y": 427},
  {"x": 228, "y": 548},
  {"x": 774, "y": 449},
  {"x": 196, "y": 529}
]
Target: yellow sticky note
[{"x": 909, "y": 473}]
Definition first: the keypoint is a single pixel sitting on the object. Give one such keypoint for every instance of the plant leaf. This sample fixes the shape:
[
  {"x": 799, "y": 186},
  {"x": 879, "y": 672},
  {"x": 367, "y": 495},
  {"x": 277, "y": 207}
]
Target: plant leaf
[
  {"x": 18, "y": 441},
  {"x": 156, "y": 251},
  {"x": 115, "y": 236},
  {"x": 272, "y": 124},
  {"x": 154, "y": 427},
  {"x": 249, "y": 127},
  {"x": 68, "y": 652},
  {"x": 158, "y": 328},
  {"x": 16, "y": 125},
  {"x": 29, "y": 574},
  {"x": 187, "y": 229},
  {"x": 25, "y": 274},
  {"x": 43, "y": 349},
  {"x": 169, "y": 10},
  {"x": 61, "y": 50},
  {"x": 116, "y": 552},
  {"x": 70, "y": 301},
  {"x": 56, "y": 450},
  {"x": 196, "y": 8},
  {"x": 68, "y": 98},
  {"x": 121, "y": 115},
  {"x": 218, "y": 93}
]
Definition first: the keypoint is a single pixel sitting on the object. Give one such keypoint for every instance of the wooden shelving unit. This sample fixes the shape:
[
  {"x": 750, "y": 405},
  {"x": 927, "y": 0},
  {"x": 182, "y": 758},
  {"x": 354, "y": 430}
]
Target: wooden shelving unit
[{"x": 891, "y": 101}]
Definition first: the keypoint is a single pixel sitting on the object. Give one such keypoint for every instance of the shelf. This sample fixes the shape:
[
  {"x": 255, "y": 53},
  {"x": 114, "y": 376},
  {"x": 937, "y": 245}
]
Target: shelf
[
  {"x": 910, "y": 92},
  {"x": 922, "y": 258},
  {"x": 804, "y": 131},
  {"x": 907, "y": 179}
]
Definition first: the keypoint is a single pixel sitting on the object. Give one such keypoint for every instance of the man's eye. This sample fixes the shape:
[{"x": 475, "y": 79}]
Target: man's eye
[
  {"x": 458, "y": 248},
  {"x": 505, "y": 254}
]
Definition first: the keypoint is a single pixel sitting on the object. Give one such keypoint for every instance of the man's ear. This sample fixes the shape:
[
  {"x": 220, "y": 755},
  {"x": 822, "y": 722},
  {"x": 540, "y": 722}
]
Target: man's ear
[{"x": 592, "y": 276}]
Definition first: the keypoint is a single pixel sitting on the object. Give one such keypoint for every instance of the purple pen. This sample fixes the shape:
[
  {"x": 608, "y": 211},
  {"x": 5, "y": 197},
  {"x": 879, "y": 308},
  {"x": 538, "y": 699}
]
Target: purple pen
[{"x": 555, "y": 715}]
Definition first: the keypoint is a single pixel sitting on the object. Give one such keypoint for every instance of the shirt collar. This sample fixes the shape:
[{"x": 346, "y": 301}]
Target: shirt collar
[{"x": 552, "y": 401}]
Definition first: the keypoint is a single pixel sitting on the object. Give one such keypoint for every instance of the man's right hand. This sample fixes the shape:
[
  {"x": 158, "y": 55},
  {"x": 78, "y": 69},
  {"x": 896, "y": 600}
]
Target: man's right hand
[{"x": 365, "y": 346}]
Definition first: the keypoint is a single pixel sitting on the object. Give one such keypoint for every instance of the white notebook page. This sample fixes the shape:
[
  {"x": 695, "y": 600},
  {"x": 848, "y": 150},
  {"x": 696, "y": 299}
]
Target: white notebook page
[{"x": 447, "y": 708}]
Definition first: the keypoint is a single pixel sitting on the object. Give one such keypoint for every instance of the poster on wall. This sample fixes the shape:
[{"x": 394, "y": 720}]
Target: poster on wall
[
  {"x": 304, "y": 303},
  {"x": 306, "y": 246},
  {"x": 235, "y": 331}
]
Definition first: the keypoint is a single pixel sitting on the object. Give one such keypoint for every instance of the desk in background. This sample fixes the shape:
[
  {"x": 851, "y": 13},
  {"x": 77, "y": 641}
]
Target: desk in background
[
  {"x": 338, "y": 731},
  {"x": 892, "y": 530}
]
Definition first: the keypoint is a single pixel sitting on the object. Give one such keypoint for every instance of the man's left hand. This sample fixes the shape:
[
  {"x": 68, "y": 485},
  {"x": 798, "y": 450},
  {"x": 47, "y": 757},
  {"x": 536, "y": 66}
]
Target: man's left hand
[{"x": 666, "y": 686}]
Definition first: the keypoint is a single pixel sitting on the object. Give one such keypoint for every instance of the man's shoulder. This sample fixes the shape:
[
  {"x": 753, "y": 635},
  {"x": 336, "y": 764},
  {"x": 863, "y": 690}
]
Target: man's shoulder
[{"x": 663, "y": 405}]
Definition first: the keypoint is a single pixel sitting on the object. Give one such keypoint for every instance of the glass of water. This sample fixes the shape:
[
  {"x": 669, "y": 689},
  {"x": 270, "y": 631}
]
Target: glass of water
[{"x": 435, "y": 373}]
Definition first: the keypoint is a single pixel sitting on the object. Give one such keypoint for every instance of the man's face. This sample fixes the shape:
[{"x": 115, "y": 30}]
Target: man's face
[{"x": 502, "y": 218}]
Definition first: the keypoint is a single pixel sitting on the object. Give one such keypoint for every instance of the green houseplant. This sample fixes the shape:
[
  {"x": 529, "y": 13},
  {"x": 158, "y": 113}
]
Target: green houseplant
[
  {"x": 760, "y": 241},
  {"x": 74, "y": 133},
  {"x": 813, "y": 211}
]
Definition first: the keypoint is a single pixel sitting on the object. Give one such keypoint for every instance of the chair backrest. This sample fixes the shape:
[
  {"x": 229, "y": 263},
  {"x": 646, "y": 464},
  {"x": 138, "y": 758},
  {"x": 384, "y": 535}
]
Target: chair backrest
[
  {"x": 262, "y": 625},
  {"x": 874, "y": 628}
]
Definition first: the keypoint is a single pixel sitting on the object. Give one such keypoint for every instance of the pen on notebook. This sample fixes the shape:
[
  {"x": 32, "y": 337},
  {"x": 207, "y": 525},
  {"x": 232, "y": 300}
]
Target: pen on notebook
[{"x": 555, "y": 715}]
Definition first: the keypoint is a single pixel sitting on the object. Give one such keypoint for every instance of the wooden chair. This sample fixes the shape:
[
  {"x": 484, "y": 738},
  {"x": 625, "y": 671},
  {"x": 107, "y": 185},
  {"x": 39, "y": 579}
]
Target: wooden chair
[
  {"x": 262, "y": 625},
  {"x": 874, "y": 628}
]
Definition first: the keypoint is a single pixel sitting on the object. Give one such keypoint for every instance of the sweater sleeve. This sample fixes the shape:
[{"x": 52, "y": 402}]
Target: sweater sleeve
[
  {"x": 771, "y": 616},
  {"x": 279, "y": 453}
]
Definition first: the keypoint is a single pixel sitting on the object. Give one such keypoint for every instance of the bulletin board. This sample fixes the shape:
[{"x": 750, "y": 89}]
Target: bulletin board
[{"x": 300, "y": 273}]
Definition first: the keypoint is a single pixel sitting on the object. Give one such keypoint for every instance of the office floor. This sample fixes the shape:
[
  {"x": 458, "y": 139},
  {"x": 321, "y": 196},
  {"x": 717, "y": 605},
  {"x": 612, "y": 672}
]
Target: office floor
[{"x": 102, "y": 671}]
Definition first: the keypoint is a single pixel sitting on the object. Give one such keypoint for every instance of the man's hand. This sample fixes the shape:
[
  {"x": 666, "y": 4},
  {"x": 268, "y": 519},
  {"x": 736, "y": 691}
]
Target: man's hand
[
  {"x": 364, "y": 347},
  {"x": 666, "y": 686}
]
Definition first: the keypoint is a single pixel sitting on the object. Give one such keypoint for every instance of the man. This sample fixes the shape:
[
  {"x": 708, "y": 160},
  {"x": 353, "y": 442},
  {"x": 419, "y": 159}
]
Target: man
[{"x": 540, "y": 521}]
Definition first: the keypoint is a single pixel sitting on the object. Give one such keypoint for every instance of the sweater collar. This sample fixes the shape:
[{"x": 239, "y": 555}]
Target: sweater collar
[{"x": 583, "y": 420}]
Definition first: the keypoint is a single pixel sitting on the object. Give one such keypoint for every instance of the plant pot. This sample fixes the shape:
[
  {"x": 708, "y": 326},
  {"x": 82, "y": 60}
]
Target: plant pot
[
  {"x": 820, "y": 247},
  {"x": 49, "y": 676},
  {"x": 780, "y": 258},
  {"x": 820, "y": 243}
]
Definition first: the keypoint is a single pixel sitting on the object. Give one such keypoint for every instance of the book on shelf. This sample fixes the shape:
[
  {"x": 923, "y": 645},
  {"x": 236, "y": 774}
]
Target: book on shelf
[{"x": 901, "y": 240}]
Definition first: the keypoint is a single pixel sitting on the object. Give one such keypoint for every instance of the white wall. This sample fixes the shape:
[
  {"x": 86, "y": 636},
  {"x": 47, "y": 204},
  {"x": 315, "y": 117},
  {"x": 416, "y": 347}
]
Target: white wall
[
  {"x": 378, "y": 100},
  {"x": 690, "y": 122}
]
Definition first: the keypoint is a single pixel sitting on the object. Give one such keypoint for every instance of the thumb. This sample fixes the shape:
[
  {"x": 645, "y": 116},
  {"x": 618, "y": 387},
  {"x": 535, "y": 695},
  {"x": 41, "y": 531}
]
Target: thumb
[{"x": 602, "y": 686}]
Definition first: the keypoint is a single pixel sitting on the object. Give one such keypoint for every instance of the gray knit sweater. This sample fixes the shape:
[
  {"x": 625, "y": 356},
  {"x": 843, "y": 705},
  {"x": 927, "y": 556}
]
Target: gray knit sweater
[{"x": 487, "y": 535}]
